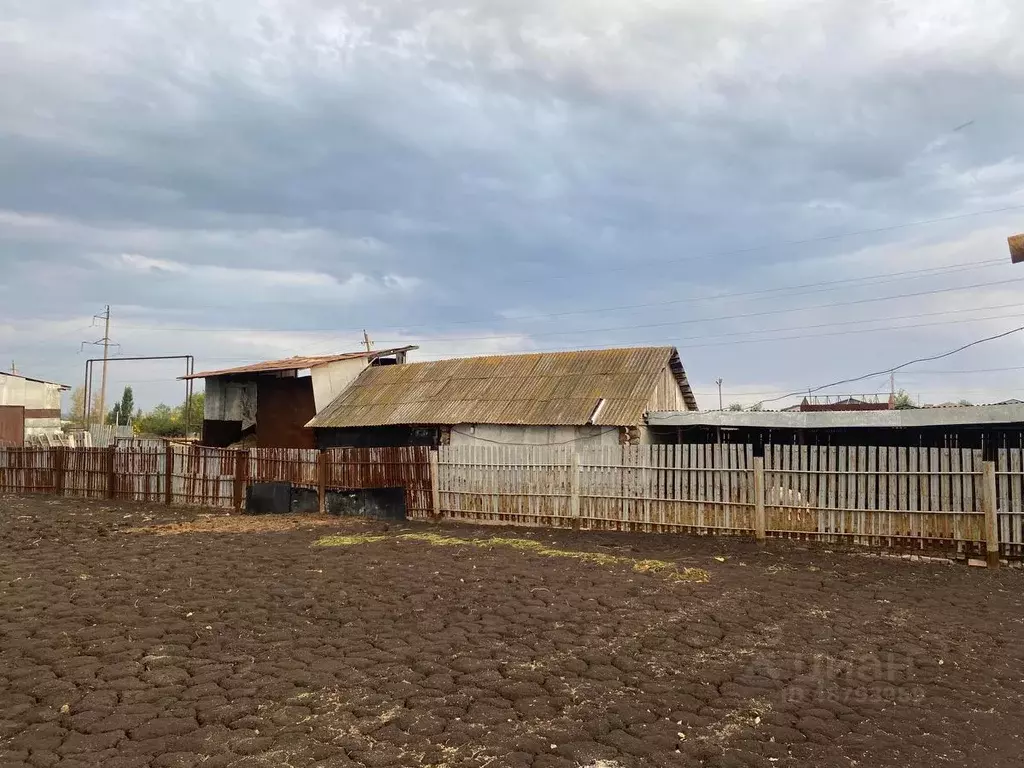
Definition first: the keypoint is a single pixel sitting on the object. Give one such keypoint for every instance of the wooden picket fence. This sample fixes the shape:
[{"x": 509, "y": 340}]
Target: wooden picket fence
[
  {"x": 896, "y": 498},
  {"x": 933, "y": 499},
  {"x": 192, "y": 475}
]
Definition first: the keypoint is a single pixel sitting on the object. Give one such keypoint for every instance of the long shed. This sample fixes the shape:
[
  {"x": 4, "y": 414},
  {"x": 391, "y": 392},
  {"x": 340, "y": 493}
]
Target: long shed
[{"x": 594, "y": 397}]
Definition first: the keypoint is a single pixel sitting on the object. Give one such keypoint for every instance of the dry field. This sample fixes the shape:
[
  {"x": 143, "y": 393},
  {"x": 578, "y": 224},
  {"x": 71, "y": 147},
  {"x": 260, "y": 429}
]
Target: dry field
[{"x": 133, "y": 636}]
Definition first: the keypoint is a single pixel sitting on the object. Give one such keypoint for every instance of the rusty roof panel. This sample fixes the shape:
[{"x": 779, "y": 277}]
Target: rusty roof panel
[
  {"x": 1016, "y": 248},
  {"x": 297, "y": 363},
  {"x": 558, "y": 388}
]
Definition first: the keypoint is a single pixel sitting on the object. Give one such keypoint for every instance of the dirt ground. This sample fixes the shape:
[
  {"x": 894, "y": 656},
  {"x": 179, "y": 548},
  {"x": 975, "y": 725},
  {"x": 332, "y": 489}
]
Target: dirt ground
[{"x": 227, "y": 642}]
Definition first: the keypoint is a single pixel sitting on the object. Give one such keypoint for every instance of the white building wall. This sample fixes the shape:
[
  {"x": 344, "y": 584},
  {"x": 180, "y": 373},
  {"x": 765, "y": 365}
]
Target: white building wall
[
  {"x": 331, "y": 380},
  {"x": 32, "y": 395},
  {"x": 489, "y": 434}
]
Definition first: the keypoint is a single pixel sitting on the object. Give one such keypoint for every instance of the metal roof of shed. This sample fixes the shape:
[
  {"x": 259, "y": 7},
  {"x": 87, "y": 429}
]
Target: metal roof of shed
[
  {"x": 36, "y": 381},
  {"x": 297, "y": 363},
  {"x": 966, "y": 415},
  {"x": 553, "y": 388}
]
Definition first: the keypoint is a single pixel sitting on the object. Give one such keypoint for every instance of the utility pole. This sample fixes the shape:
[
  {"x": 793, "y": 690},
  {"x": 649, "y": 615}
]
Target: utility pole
[
  {"x": 719, "y": 383},
  {"x": 366, "y": 341},
  {"x": 106, "y": 343},
  {"x": 106, "y": 356}
]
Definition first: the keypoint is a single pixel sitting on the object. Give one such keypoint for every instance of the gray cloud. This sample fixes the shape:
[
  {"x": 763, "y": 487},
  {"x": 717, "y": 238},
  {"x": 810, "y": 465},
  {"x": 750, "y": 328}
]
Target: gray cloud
[{"x": 441, "y": 164}]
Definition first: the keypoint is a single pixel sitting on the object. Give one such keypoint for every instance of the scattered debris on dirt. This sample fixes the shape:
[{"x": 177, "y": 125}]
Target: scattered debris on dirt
[
  {"x": 238, "y": 524},
  {"x": 662, "y": 567}
]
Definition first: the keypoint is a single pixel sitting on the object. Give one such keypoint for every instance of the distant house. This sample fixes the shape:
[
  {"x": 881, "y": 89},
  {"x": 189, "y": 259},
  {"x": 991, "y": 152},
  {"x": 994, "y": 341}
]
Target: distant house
[
  {"x": 28, "y": 408},
  {"x": 596, "y": 397},
  {"x": 269, "y": 403}
]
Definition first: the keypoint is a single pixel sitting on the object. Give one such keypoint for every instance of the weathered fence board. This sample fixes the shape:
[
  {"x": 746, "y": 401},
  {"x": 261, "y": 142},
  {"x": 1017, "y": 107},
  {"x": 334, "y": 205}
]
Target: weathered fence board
[
  {"x": 878, "y": 496},
  {"x": 191, "y": 475},
  {"x": 885, "y": 497}
]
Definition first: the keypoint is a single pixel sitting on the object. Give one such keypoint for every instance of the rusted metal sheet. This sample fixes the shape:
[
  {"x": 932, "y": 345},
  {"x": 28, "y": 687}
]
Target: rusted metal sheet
[
  {"x": 211, "y": 477},
  {"x": 1016, "y": 243},
  {"x": 297, "y": 466},
  {"x": 297, "y": 363},
  {"x": 407, "y": 467},
  {"x": 12, "y": 425},
  {"x": 557, "y": 388},
  {"x": 283, "y": 406}
]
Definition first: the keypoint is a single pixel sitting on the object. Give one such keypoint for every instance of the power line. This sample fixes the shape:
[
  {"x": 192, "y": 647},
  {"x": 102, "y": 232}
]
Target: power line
[
  {"x": 784, "y": 243},
  {"x": 976, "y": 370},
  {"x": 907, "y": 364},
  {"x": 674, "y": 323},
  {"x": 798, "y": 289},
  {"x": 799, "y": 337},
  {"x": 831, "y": 286},
  {"x": 764, "y": 293}
]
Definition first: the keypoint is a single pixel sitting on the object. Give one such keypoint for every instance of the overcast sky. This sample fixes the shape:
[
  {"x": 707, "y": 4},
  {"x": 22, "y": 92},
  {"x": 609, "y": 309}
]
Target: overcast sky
[{"x": 246, "y": 179}]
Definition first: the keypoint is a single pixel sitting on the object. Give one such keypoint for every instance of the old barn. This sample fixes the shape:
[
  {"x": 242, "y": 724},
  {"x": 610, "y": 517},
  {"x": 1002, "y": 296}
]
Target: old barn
[
  {"x": 269, "y": 403},
  {"x": 594, "y": 397}
]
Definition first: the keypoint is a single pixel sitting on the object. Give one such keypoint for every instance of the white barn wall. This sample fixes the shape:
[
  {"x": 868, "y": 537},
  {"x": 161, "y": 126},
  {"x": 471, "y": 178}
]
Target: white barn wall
[{"x": 489, "y": 434}]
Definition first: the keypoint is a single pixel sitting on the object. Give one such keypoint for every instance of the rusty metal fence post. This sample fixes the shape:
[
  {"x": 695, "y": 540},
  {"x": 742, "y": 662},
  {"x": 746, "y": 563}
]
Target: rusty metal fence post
[
  {"x": 321, "y": 481},
  {"x": 241, "y": 475},
  {"x": 168, "y": 473},
  {"x": 112, "y": 471},
  {"x": 60, "y": 460}
]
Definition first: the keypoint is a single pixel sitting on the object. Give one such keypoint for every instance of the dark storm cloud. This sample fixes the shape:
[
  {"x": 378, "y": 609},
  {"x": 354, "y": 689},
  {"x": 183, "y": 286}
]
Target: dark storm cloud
[{"x": 415, "y": 166}]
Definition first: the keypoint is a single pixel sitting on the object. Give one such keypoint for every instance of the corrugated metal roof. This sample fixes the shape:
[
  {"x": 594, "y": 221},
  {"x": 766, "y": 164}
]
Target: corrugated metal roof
[
  {"x": 37, "y": 381},
  {"x": 556, "y": 388},
  {"x": 1012, "y": 413},
  {"x": 297, "y": 363}
]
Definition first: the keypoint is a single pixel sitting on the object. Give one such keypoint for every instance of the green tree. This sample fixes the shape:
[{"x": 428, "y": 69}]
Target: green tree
[
  {"x": 195, "y": 420},
  {"x": 76, "y": 407},
  {"x": 903, "y": 401},
  {"x": 162, "y": 421},
  {"x": 165, "y": 421},
  {"x": 123, "y": 411}
]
